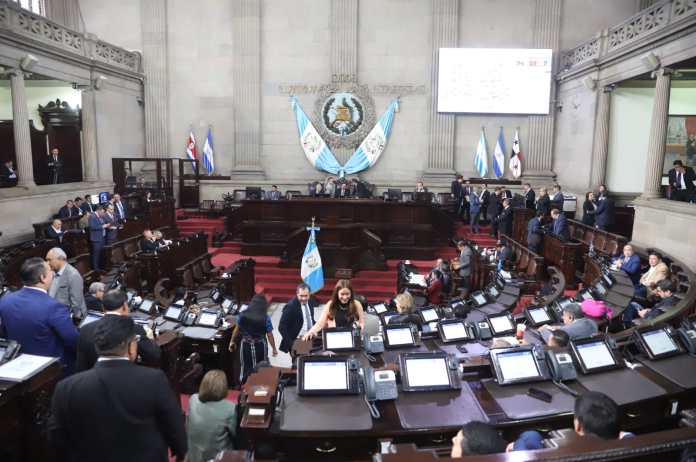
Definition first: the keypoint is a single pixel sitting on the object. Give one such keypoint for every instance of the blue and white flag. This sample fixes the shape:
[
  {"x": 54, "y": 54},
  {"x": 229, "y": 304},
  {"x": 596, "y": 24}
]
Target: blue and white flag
[
  {"x": 499, "y": 156},
  {"x": 374, "y": 144},
  {"x": 208, "y": 161},
  {"x": 314, "y": 147},
  {"x": 481, "y": 158},
  {"x": 311, "y": 270}
]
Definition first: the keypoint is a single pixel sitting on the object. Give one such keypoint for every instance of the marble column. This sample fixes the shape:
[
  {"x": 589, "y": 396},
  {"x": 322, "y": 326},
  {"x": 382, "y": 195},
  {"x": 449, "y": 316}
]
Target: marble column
[
  {"x": 22, "y": 136},
  {"x": 539, "y": 153},
  {"x": 154, "y": 28},
  {"x": 445, "y": 34},
  {"x": 247, "y": 90},
  {"x": 600, "y": 146},
  {"x": 343, "y": 24},
  {"x": 89, "y": 136},
  {"x": 65, "y": 12},
  {"x": 658, "y": 134}
]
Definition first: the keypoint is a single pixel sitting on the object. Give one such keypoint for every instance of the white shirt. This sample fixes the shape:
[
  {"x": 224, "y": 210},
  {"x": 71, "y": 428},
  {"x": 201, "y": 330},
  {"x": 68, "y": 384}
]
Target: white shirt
[
  {"x": 681, "y": 179},
  {"x": 305, "y": 321},
  {"x": 112, "y": 358}
]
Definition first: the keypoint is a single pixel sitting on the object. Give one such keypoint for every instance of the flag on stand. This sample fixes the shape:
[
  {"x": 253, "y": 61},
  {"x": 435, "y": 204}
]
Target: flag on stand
[
  {"x": 191, "y": 147},
  {"x": 311, "y": 270},
  {"x": 208, "y": 161},
  {"x": 499, "y": 156},
  {"x": 516, "y": 156},
  {"x": 481, "y": 158}
]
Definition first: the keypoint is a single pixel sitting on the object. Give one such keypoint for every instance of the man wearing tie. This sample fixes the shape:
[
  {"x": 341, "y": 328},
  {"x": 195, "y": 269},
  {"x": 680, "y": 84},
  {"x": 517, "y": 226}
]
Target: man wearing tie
[
  {"x": 529, "y": 197},
  {"x": 68, "y": 210},
  {"x": 109, "y": 218},
  {"x": 55, "y": 231},
  {"x": 119, "y": 209},
  {"x": 466, "y": 192},
  {"x": 681, "y": 181},
  {"x": 274, "y": 194},
  {"x": 557, "y": 198},
  {"x": 97, "y": 235},
  {"x": 55, "y": 167},
  {"x": 87, "y": 205},
  {"x": 559, "y": 227},
  {"x": 297, "y": 317}
]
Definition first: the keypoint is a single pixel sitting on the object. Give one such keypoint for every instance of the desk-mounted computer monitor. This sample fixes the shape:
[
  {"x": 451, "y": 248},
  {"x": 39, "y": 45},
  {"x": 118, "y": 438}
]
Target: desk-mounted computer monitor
[
  {"x": 593, "y": 355},
  {"x": 429, "y": 372},
  {"x": 103, "y": 197},
  {"x": 657, "y": 343},
  {"x": 517, "y": 365},
  {"x": 174, "y": 312},
  {"x": 327, "y": 375},
  {"x": 455, "y": 330},
  {"x": 91, "y": 317},
  {"x": 537, "y": 315},
  {"x": 393, "y": 195},
  {"x": 428, "y": 314},
  {"x": 380, "y": 308},
  {"x": 340, "y": 339},
  {"x": 146, "y": 306},
  {"x": 386, "y": 316},
  {"x": 501, "y": 325},
  {"x": 479, "y": 298},
  {"x": 209, "y": 318},
  {"x": 253, "y": 193},
  {"x": 399, "y": 336}
]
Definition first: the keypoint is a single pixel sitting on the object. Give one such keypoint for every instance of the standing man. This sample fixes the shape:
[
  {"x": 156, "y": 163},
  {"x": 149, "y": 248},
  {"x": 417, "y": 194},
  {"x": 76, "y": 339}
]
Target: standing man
[
  {"x": 117, "y": 410},
  {"x": 67, "y": 286},
  {"x": 466, "y": 192},
  {"x": 109, "y": 218},
  {"x": 456, "y": 192},
  {"x": 559, "y": 226},
  {"x": 36, "y": 321},
  {"x": 55, "y": 167},
  {"x": 97, "y": 235},
  {"x": 297, "y": 318},
  {"x": 557, "y": 198},
  {"x": 474, "y": 212},
  {"x": 120, "y": 209},
  {"x": 681, "y": 182},
  {"x": 529, "y": 197},
  {"x": 485, "y": 198},
  {"x": 463, "y": 265},
  {"x": 274, "y": 194},
  {"x": 504, "y": 220},
  {"x": 604, "y": 212},
  {"x": 535, "y": 233},
  {"x": 543, "y": 203}
]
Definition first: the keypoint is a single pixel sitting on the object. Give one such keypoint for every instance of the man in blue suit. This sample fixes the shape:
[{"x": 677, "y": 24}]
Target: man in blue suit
[
  {"x": 39, "y": 323},
  {"x": 604, "y": 213},
  {"x": 559, "y": 227},
  {"x": 97, "y": 236},
  {"x": 535, "y": 232},
  {"x": 629, "y": 262}
]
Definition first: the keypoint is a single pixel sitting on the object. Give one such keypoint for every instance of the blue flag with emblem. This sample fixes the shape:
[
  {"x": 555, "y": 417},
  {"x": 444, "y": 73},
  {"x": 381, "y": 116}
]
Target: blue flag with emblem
[
  {"x": 311, "y": 270},
  {"x": 499, "y": 156},
  {"x": 317, "y": 152},
  {"x": 374, "y": 143}
]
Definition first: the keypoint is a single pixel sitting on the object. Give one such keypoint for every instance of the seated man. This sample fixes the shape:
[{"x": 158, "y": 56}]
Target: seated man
[
  {"x": 77, "y": 207},
  {"x": 665, "y": 291},
  {"x": 420, "y": 188},
  {"x": 503, "y": 255},
  {"x": 559, "y": 226},
  {"x": 629, "y": 262},
  {"x": 68, "y": 210},
  {"x": 55, "y": 231},
  {"x": 434, "y": 289},
  {"x": 558, "y": 339},
  {"x": 93, "y": 299},
  {"x": 657, "y": 271},
  {"x": 148, "y": 243},
  {"x": 575, "y": 324},
  {"x": 476, "y": 438}
]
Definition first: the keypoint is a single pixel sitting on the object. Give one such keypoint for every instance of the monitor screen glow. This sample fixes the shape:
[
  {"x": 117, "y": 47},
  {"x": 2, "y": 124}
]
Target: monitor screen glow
[
  {"x": 430, "y": 315},
  {"x": 480, "y": 299},
  {"x": 341, "y": 339},
  {"x": 145, "y": 306},
  {"x": 427, "y": 372},
  {"x": 454, "y": 331},
  {"x": 226, "y": 303},
  {"x": 173, "y": 312},
  {"x": 595, "y": 355},
  {"x": 517, "y": 365},
  {"x": 539, "y": 315},
  {"x": 400, "y": 336},
  {"x": 501, "y": 323},
  {"x": 324, "y": 375},
  {"x": 380, "y": 308},
  {"x": 659, "y": 342},
  {"x": 207, "y": 319}
]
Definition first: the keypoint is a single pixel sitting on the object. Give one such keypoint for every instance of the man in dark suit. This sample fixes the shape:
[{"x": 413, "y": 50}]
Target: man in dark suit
[
  {"x": 55, "y": 167},
  {"x": 681, "y": 182},
  {"x": 559, "y": 226},
  {"x": 87, "y": 204},
  {"x": 557, "y": 198},
  {"x": 297, "y": 317},
  {"x": 115, "y": 303},
  {"x": 68, "y": 210},
  {"x": 467, "y": 189},
  {"x": 420, "y": 188},
  {"x": 529, "y": 197},
  {"x": 40, "y": 324},
  {"x": 456, "y": 192},
  {"x": 93, "y": 299},
  {"x": 543, "y": 203},
  {"x": 148, "y": 244},
  {"x": 55, "y": 231},
  {"x": 535, "y": 233},
  {"x": 273, "y": 194},
  {"x": 485, "y": 199},
  {"x": 604, "y": 213},
  {"x": 504, "y": 219},
  {"x": 97, "y": 234},
  {"x": 8, "y": 174},
  {"x": 120, "y": 209},
  {"x": 117, "y": 410},
  {"x": 109, "y": 217}
]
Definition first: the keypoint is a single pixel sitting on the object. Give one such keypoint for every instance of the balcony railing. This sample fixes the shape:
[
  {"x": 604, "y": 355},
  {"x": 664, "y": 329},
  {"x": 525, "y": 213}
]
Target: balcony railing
[
  {"x": 640, "y": 26},
  {"x": 22, "y": 22}
]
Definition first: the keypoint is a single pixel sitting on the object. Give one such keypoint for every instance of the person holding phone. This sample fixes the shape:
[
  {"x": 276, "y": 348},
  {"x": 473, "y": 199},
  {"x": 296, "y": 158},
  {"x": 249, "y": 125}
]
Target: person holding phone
[{"x": 341, "y": 311}]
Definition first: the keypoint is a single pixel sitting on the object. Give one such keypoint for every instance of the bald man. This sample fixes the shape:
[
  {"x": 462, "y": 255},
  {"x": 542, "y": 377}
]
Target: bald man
[{"x": 67, "y": 286}]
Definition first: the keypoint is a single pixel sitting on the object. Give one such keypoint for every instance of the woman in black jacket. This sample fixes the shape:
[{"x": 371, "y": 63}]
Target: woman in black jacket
[{"x": 588, "y": 209}]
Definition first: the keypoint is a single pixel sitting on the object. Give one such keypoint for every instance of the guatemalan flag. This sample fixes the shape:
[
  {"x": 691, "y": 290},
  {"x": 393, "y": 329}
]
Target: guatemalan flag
[
  {"x": 499, "y": 156},
  {"x": 516, "y": 156},
  {"x": 314, "y": 147},
  {"x": 208, "y": 161},
  {"x": 311, "y": 270},
  {"x": 374, "y": 143},
  {"x": 191, "y": 147},
  {"x": 481, "y": 157}
]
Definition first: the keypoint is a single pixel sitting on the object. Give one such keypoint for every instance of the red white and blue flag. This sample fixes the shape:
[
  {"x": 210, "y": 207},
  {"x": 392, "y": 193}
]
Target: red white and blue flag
[{"x": 191, "y": 147}]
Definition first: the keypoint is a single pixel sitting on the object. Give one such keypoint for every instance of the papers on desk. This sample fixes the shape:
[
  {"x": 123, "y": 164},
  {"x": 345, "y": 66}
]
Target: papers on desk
[
  {"x": 24, "y": 366},
  {"x": 417, "y": 279},
  {"x": 201, "y": 333}
]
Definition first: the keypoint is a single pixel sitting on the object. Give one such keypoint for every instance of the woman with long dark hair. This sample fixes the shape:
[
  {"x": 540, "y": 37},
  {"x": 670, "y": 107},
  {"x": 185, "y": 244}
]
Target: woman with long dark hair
[
  {"x": 256, "y": 329},
  {"x": 341, "y": 311},
  {"x": 589, "y": 208}
]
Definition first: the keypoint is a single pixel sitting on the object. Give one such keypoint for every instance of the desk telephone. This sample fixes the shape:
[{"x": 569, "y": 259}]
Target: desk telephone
[
  {"x": 380, "y": 385},
  {"x": 373, "y": 343},
  {"x": 180, "y": 313},
  {"x": 688, "y": 338},
  {"x": 561, "y": 367},
  {"x": 9, "y": 349},
  {"x": 483, "y": 330}
]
